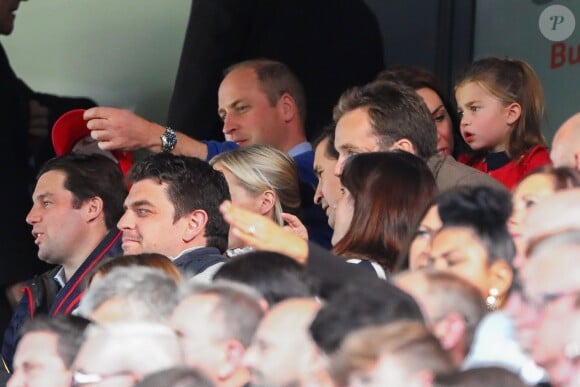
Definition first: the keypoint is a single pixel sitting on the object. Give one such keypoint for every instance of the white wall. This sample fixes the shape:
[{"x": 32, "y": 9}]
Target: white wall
[{"x": 121, "y": 53}]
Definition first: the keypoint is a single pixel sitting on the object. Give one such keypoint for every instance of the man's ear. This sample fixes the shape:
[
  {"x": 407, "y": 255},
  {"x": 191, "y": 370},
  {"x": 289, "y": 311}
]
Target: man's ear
[
  {"x": 287, "y": 106},
  {"x": 196, "y": 222},
  {"x": 93, "y": 208},
  {"x": 450, "y": 330},
  {"x": 405, "y": 145},
  {"x": 234, "y": 352},
  {"x": 514, "y": 111},
  {"x": 577, "y": 160}
]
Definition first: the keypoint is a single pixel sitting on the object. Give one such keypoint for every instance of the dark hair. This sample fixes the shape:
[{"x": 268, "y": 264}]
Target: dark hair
[
  {"x": 512, "y": 80},
  {"x": 485, "y": 210},
  {"x": 419, "y": 78},
  {"x": 89, "y": 176},
  {"x": 275, "y": 276},
  {"x": 479, "y": 377},
  {"x": 395, "y": 112},
  {"x": 358, "y": 305},
  {"x": 192, "y": 184},
  {"x": 181, "y": 376},
  {"x": 327, "y": 134},
  {"x": 389, "y": 189},
  {"x": 276, "y": 79},
  {"x": 68, "y": 329}
]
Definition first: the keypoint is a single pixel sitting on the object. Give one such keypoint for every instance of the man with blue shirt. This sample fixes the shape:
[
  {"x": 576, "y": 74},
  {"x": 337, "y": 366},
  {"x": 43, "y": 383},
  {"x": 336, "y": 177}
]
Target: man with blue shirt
[{"x": 259, "y": 101}]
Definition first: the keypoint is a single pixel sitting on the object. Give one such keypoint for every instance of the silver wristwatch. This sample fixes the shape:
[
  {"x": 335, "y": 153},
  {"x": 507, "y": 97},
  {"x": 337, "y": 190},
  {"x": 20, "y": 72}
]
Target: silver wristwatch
[{"x": 168, "y": 140}]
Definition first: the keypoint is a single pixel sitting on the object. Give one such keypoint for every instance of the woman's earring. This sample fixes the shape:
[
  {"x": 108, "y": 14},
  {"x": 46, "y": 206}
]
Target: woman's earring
[{"x": 492, "y": 298}]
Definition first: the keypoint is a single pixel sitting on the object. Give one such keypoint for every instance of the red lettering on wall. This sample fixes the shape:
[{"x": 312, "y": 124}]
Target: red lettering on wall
[{"x": 558, "y": 57}]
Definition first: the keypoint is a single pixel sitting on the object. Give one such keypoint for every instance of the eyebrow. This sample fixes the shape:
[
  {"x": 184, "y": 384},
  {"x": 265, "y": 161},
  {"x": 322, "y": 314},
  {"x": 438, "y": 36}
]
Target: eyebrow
[
  {"x": 42, "y": 196},
  {"x": 437, "y": 109},
  {"x": 139, "y": 203},
  {"x": 231, "y": 105}
]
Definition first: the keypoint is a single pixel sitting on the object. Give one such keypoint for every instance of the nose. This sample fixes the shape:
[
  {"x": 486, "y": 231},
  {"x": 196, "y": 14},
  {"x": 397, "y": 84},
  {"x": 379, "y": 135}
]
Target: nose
[
  {"x": 250, "y": 357},
  {"x": 16, "y": 379},
  {"x": 230, "y": 124},
  {"x": 318, "y": 193},
  {"x": 125, "y": 223},
  {"x": 33, "y": 216}
]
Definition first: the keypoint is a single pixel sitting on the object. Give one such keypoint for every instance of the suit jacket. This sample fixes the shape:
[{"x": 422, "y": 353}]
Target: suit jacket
[{"x": 331, "y": 45}]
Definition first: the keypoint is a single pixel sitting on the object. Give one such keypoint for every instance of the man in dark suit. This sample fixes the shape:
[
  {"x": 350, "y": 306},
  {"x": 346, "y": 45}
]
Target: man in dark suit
[{"x": 331, "y": 45}]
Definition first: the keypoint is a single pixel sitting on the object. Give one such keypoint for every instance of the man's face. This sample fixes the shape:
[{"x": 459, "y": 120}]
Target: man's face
[
  {"x": 38, "y": 364},
  {"x": 58, "y": 228},
  {"x": 281, "y": 351},
  {"x": 199, "y": 340},
  {"x": 328, "y": 188},
  {"x": 551, "y": 289},
  {"x": 248, "y": 116},
  {"x": 354, "y": 134},
  {"x": 148, "y": 223},
  {"x": 7, "y": 9}
]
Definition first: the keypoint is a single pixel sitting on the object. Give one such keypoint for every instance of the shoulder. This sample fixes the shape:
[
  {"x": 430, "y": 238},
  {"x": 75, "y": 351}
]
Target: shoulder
[{"x": 450, "y": 173}]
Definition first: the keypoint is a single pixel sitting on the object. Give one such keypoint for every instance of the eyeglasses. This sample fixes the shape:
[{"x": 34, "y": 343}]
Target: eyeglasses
[{"x": 80, "y": 378}]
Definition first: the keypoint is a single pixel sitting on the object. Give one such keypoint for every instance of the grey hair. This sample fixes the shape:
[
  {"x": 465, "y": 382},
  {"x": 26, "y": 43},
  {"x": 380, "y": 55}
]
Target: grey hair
[{"x": 150, "y": 294}]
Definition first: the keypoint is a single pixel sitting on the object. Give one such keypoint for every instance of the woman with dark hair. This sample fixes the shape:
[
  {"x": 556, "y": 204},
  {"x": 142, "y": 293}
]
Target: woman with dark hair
[
  {"x": 449, "y": 140},
  {"x": 383, "y": 194},
  {"x": 474, "y": 242}
]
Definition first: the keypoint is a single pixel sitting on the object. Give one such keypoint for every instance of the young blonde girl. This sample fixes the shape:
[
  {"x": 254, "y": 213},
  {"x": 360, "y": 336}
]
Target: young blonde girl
[{"x": 500, "y": 103}]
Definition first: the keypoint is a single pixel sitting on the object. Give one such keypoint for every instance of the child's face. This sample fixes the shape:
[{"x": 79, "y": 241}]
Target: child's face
[{"x": 485, "y": 121}]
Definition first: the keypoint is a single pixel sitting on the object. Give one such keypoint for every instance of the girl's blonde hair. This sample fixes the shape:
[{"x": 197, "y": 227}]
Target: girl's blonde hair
[
  {"x": 261, "y": 167},
  {"x": 512, "y": 80}
]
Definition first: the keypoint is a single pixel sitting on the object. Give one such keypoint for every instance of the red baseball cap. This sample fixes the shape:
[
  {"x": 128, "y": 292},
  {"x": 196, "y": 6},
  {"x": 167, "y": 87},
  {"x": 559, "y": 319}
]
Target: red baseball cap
[{"x": 70, "y": 134}]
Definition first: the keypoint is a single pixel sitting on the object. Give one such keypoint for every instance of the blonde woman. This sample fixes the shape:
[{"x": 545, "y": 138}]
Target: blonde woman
[{"x": 261, "y": 179}]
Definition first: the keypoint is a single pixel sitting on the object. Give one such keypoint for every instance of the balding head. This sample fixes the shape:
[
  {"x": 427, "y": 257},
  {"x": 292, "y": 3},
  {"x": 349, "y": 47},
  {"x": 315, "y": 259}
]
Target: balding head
[{"x": 566, "y": 144}]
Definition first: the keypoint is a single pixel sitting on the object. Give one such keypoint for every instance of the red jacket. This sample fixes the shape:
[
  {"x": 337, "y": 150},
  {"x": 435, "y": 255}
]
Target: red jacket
[{"x": 514, "y": 171}]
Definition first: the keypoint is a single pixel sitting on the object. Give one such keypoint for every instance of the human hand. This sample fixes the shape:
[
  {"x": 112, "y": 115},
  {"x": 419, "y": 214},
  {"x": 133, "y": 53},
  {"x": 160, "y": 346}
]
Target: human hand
[
  {"x": 295, "y": 226},
  {"x": 262, "y": 233},
  {"x": 119, "y": 129}
]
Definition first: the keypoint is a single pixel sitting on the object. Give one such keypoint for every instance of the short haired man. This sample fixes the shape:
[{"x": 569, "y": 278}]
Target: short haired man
[
  {"x": 173, "y": 209},
  {"x": 551, "y": 290},
  {"x": 282, "y": 338},
  {"x": 452, "y": 308},
  {"x": 76, "y": 204},
  {"x": 328, "y": 189},
  {"x": 215, "y": 325},
  {"x": 45, "y": 353},
  {"x": 397, "y": 354},
  {"x": 566, "y": 144},
  {"x": 130, "y": 293},
  {"x": 125, "y": 352},
  {"x": 260, "y": 102},
  {"x": 383, "y": 116}
]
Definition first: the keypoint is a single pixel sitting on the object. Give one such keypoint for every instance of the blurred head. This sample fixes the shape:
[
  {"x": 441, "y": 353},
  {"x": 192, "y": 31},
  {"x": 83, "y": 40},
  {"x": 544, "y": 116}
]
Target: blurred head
[
  {"x": 551, "y": 292},
  {"x": 121, "y": 353},
  {"x": 479, "y": 377},
  {"x": 452, "y": 307},
  {"x": 175, "y": 377},
  {"x": 566, "y": 144},
  {"x": 328, "y": 188},
  {"x": 530, "y": 191},
  {"x": 372, "y": 221},
  {"x": 45, "y": 353},
  {"x": 7, "y": 15},
  {"x": 358, "y": 305},
  {"x": 396, "y": 354},
  {"x": 261, "y": 179},
  {"x": 429, "y": 89},
  {"x": 275, "y": 276},
  {"x": 382, "y": 116},
  {"x": 262, "y": 102},
  {"x": 474, "y": 242},
  {"x": 153, "y": 260},
  {"x": 217, "y": 348},
  {"x": 282, "y": 352},
  {"x": 173, "y": 205}
]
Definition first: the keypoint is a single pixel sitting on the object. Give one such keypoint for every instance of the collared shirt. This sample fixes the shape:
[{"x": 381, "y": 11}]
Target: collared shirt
[
  {"x": 60, "y": 277},
  {"x": 303, "y": 147}
]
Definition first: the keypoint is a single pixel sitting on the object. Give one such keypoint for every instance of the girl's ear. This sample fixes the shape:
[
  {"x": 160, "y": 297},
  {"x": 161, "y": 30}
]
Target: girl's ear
[{"x": 514, "y": 111}]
